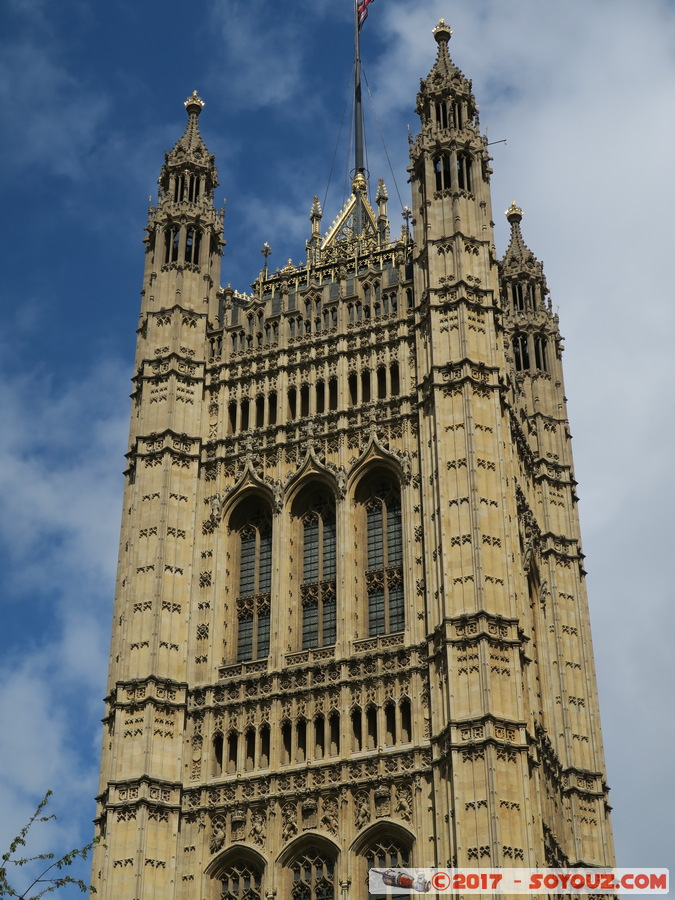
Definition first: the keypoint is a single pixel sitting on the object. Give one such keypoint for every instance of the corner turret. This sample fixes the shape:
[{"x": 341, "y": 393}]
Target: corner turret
[
  {"x": 533, "y": 328},
  {"x": 450, "y": 175},
  {"x": 445, "y": 100},
  {"x": 184, "y": 232},
  {"x": 189, "y": 172}
]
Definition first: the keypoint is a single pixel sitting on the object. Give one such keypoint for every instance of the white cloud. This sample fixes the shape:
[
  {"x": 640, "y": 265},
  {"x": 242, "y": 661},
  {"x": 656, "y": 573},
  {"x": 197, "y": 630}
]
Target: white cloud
[
  {"x": 255, "y": 73},
  {"x": 59, "y": 474},
  {"x": 61, "y": 491}
]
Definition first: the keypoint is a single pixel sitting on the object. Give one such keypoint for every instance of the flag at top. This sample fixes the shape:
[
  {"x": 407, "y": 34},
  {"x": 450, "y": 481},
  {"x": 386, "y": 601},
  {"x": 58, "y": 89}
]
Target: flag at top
[{"x": 362, "y": 11}]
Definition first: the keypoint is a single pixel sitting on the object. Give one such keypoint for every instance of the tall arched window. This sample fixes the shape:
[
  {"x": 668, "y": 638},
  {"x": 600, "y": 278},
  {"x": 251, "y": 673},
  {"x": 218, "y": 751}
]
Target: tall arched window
[
  {"x": 384, "y": 556},
  {"x": 387, "y": 853},
  {"x": 317, "y": 590},
  {"x": 254, "y": 533},
  {"x": 313, "y": 877},
  {"x": 241, "y": 882}
]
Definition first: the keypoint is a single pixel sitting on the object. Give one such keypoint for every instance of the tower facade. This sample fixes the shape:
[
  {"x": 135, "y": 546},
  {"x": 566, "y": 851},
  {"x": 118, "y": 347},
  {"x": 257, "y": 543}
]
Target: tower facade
[{"x": 350, "y": 623}]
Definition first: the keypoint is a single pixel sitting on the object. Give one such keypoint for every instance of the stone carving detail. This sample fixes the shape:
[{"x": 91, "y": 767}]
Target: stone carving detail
[
  {"x": 238, "y": 824},
  {"x": 341, "y": 476},
  {"x": 258, "y": 828},
  {"x": 382, "y": 801},
  {"x": 216, "y": 505},
  {"x": 218, "y": 835},
  {"x": 403, "y": 807},
  {"x": 278, "y": 496},
  {"x": 289, "y": 824},
  {"x": 329, "y": 817},
  {"x": 309, "y": 813},
  {"x": 406, "y": 467},
  {"x": 361, "y": 810}
]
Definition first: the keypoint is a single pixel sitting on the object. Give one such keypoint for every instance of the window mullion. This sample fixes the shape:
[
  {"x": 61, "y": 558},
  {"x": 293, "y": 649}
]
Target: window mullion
[{"x": 256, "y": 565}]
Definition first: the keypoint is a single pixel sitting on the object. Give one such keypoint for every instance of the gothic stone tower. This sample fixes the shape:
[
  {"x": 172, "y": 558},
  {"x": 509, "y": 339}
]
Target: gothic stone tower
[{"x": 350, "y": 625}]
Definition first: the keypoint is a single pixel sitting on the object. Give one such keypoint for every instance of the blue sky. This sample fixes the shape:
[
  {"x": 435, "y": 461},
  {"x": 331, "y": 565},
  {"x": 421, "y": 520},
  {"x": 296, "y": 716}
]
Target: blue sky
[{"x": 92, "y": 94}]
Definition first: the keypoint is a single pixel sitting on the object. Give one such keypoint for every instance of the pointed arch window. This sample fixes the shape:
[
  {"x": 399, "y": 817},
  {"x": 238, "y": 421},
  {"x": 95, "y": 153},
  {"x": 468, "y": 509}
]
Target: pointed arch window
[
  {"x": 254, "y": 534},
  {"x": 313, "y": 877},
  {"x": 241, "y": 882},
  {"x": 317, "y": 590},
  {"x": 384, "y": 558},
  {"x": 387, "y": 853}
]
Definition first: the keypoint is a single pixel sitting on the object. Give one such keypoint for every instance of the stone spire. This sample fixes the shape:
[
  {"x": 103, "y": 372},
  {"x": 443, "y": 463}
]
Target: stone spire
[
  {"x": 191, "y": 144},
  {"x": 382, "y": 218},
  {"x": 314, "y": 242},
  {"x": 450, "y": 173},
  {"x": 518, "y": 256},
  {"x": 189, "y": 156},
  {"x": 445, "y": 82},
  {"x": 444, "y": 66},
  {"x": 533, "y": 343},
  {"x": 519, "y": 259}
]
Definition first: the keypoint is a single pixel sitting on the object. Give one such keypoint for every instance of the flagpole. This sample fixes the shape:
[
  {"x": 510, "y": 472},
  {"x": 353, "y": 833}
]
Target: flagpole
[
  {"x": 358, "y": 107},
  {"x": 359, "y": 168}
]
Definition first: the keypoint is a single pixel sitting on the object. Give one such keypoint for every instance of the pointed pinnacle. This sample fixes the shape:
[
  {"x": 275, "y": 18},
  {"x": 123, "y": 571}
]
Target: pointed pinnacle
[{"x": 316, "y": 211}]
